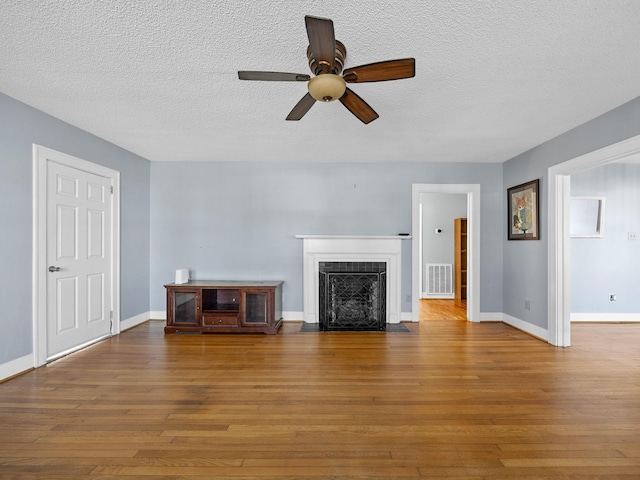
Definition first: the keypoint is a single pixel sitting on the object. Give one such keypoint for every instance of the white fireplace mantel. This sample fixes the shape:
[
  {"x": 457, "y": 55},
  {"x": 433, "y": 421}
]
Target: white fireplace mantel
[{"x": 351, "y": 248}]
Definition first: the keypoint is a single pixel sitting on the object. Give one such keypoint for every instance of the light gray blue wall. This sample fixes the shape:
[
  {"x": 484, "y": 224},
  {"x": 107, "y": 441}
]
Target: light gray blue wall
[
  {"x": 439, "y": 211},
  {"x": 238, "y": 220},
  {"x": 525, "y": 262},
  {"x": 20, "y": 127},
  {"x": 601, "y": 266}
]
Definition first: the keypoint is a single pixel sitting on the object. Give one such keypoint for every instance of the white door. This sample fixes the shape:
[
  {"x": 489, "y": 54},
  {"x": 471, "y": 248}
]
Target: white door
[{"x": 78, "y": 224}]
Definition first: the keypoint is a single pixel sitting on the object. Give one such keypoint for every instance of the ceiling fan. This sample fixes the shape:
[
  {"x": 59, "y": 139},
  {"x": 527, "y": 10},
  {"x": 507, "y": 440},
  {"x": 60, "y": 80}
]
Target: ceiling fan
[{"x": 326, "y": 59}]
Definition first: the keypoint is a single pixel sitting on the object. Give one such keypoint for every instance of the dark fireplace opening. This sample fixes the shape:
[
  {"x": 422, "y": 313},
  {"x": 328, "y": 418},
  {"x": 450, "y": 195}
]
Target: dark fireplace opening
[{"x": 352, "y": 296}]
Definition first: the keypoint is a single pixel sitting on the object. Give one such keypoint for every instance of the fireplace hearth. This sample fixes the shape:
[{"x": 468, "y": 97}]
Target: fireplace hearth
[{"x": 352, "y": 296}]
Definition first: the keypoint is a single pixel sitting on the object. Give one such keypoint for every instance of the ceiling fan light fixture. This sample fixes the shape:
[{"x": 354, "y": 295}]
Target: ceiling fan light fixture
[
  {"x": 327, "y": 87},
  {"x": 326, "y": 57}
]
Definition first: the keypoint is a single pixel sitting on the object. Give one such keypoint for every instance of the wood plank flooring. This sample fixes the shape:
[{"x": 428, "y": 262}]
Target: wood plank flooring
[
  {"x": 437, "y": 309},
  {"x": 449, "y": 400}
]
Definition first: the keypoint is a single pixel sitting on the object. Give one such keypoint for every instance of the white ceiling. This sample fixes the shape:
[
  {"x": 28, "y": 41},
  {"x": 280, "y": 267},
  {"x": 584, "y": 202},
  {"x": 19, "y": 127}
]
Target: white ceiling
[{"x": 159, "y": 78}]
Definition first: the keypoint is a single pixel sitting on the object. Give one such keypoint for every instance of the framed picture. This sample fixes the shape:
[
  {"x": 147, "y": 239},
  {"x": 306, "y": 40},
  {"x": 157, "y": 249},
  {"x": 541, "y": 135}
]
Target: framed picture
[{"x": 523, "y": 221}]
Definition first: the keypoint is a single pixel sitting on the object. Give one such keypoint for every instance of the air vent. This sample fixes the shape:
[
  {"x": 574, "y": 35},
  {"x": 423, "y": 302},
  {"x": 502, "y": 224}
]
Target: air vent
[{"x": 439, "y": 279}]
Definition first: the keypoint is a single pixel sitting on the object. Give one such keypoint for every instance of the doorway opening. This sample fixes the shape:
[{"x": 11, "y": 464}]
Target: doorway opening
[
  {"x": 443, "y": 256},
  {"x": 472, "y": 194},
  {"x": 559, "y": 253}
]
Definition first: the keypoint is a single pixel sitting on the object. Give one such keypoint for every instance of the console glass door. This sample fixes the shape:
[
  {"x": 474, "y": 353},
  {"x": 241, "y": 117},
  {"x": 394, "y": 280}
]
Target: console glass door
[
  {"x": 255, "y": 308},
  {"x": 185, "y": 308}
]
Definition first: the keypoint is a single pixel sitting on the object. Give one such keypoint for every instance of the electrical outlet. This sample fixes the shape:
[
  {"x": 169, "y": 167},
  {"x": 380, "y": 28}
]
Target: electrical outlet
[
  {"x": 631, "y": 235},
  {"x": 527, "y": 304},
  {"x": 612, "y": 297}
]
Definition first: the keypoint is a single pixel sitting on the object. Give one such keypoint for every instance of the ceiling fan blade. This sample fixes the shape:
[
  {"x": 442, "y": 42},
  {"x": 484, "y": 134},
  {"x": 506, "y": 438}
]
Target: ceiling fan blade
[
  {"x": 301, "y": 107},
  {"x": 358, "y": 107},
  {"x": 381, "y": 71},
  {"x": 273, "y": 76},
  {"x": 322, "y": 41}
]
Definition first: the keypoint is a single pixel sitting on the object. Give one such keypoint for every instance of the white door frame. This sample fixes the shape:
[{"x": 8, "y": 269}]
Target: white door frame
[
  {"x": 472, "y": 191},
  {"x": 41, "y": 157},
  {"x": 559, "y": 252}
]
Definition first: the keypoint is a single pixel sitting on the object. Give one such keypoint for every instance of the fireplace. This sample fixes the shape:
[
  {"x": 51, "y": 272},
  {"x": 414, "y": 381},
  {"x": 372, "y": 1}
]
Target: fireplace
[
  {"x": 351, "y": 248},
  {"x": 352, "y": 296}
]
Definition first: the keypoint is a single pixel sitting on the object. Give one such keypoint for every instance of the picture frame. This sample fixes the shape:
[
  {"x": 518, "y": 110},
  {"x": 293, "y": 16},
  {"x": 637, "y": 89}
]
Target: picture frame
[
  {"x": 586, "y": 217},
  {"x": 523, "y": 211}
]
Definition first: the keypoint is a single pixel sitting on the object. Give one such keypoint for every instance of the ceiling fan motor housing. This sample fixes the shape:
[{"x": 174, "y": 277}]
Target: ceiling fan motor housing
[
  {"x": 327, "y": 85},
  {"x": 317, "y": 67}
]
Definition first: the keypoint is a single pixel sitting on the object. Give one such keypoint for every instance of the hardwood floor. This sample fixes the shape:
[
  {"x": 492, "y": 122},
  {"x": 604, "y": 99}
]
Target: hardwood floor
[
  {"x": 449, "y": 400},
  {"x": 437, "y": 309}
]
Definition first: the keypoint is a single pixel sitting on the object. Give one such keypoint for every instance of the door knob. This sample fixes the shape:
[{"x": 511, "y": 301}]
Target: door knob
[{"x": 54, "y": 269}]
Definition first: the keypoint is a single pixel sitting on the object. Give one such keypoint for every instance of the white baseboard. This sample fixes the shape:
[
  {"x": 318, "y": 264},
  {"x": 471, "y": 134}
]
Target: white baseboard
[
  {"x": 292, "y": 316},
  {"x": 491, "y": 317},
  {"x": 158, "y": 315},
  {"x": 406, "y": 316},
  {"x": 541, "y": 333},
  {"x": 605, "y": 317},
  {"x": 134, "y": 321},
  {"x": 427, "y": 296},
  {"x": 17, "y": 366}
]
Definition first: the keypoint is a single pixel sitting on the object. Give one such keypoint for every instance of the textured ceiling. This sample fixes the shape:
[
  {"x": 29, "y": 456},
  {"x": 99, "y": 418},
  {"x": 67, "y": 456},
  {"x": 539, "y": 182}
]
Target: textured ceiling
[{"x": 159, "y": 78}]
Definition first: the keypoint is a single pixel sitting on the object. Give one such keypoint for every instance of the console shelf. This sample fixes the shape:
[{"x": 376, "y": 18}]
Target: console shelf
[{"x": 210, "y": 306}]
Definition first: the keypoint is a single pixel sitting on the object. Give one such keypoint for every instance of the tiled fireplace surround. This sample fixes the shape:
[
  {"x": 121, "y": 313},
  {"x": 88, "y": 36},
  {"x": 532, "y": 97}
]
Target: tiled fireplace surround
[{"x": 345, "y": 248}]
